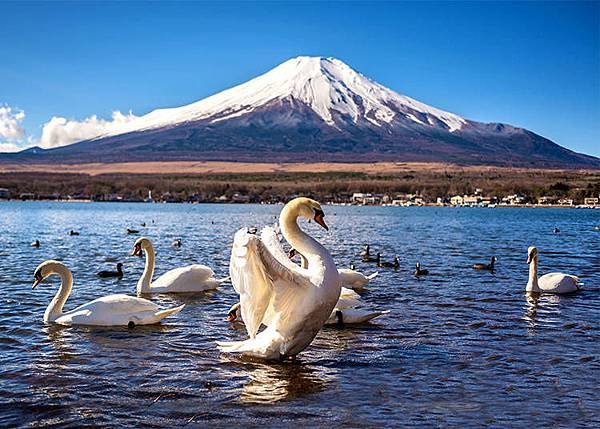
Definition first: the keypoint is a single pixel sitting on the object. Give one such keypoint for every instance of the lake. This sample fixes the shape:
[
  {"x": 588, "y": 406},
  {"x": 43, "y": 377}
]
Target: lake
[{"x": 459, "y": 348}]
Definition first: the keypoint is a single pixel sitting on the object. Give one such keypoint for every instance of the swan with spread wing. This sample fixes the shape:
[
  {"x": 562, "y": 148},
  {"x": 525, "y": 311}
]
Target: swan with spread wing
[{"x": 292, "y": 302}]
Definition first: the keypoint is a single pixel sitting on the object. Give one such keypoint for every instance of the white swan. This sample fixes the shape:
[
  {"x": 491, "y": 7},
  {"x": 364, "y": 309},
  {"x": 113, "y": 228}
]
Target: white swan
[
  {"x": 111, "y": 310},
  {"x": 192, "y": 278},
  {"x": 551, "y": 282},
  {"x": 292, "y": 302},
  {"x": 339, "y": 316}
]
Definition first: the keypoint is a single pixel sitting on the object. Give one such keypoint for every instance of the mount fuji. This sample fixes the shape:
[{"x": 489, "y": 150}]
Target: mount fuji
[{"x": 308, "y": 109}]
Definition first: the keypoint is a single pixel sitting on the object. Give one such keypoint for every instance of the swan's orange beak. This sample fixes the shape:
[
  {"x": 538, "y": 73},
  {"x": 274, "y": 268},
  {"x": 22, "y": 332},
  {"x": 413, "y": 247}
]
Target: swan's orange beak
[
  {"x": 319, "y": 219},
  {"x": 137, "y": 249}
]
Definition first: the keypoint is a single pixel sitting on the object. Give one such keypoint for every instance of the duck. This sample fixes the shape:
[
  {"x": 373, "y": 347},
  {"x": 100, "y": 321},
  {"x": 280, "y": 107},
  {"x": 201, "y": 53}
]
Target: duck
[
  {"x": 366, "y": 250},
  {"x": 73, "y": 232},
  {"x": 419, "y": 271},
  {"x": 556, "y": 230},
  {"x": 176, "y": 243},
  {"x": 339, "y": 317},
  {"x": 118, "y": 273},
  {"x": 395, "y": 265},
  {"x": 143, "y": 224},
  {"x": 554, "y": 283},
  {"x": 191, "y": 278},
  {"x": 111, "y": 310},
  {"x": 36, "y": 243},
  {"x": 366, "y": 254},
  {"x": 132, "y": 231},
  {"x": 292, "y": 302},
  {"x": 488, "y": 267}
]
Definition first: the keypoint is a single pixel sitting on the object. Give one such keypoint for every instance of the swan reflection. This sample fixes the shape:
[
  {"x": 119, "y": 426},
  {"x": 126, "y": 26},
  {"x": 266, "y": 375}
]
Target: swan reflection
[
  {"x": 541, "y": 309},
  {"x": 273, "y": 383}
]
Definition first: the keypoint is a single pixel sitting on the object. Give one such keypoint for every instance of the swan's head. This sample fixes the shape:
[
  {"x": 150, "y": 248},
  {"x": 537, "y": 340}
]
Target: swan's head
[
  {"x": 308, "y": 208},
  {"x": 45, "y": 270},
  {"x": 234, "y": 312},
  {"x": 532, "y": 253},
  {"x": 141, "y": 243}
]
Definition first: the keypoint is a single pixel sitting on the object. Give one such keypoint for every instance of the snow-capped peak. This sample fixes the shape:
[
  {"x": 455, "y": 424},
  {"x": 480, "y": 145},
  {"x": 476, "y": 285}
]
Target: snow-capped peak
[{"x": 326, "y": 85}]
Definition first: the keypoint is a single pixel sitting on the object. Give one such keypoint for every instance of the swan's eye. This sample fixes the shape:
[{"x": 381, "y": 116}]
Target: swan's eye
[{"x": 38, "y": 275}]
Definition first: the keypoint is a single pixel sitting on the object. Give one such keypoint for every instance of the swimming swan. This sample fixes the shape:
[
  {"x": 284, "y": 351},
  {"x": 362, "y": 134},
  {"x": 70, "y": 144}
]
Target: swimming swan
[
  {"x": 111, "y": 310},
  {"x": 292, "y": 302},
  {"x": 548, "y": 283},
  {"x": 192, "y": 278}
]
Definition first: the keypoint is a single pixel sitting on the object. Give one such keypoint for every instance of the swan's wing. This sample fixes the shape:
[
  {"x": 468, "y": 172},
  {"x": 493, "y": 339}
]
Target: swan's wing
[
  {"x": 271, "y": 241},
  {"x": 254, "y": 273}
]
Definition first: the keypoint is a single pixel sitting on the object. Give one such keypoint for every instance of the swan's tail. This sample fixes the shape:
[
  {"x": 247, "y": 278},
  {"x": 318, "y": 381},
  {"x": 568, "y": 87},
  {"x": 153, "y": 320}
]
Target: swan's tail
[
  {"x": 372, "y": 276},
  {"x": 169, "y": 312}
]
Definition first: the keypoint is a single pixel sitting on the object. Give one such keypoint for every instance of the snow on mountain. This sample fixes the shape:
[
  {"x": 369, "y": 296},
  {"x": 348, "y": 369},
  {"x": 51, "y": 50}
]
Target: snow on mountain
[{"x": 326, "y": 85}]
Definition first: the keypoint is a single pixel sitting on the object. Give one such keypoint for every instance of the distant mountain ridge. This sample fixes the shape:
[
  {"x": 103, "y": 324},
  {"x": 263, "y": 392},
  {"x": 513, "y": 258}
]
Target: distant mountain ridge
[{"x": 307, "y": 109}]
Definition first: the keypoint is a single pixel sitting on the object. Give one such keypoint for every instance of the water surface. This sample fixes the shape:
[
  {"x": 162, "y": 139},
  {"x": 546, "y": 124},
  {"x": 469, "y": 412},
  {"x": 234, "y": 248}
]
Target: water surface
[{"x": 459, "y": 348}]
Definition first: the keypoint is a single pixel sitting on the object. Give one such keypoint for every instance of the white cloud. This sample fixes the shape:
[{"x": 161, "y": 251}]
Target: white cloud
[
  {"x": 61, "y": 132},
  {"x": 9, "y": 147},
  {"x": 10, "y": 120}
]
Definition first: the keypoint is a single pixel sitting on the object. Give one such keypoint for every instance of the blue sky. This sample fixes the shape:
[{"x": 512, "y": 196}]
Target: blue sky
[{"x": 535, "y": 65}]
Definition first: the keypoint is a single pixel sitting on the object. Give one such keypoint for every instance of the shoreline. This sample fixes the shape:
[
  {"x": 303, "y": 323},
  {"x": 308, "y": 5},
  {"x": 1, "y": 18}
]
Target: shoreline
[{"x": 496, "y": 206}]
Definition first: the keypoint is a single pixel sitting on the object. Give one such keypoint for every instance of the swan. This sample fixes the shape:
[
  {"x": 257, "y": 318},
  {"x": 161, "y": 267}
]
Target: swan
[
  {"x": 344, "y": 316},
  {"x": 548, "y": 283},
  {"x": 111, "y": 310},
  {"x": 419, "y": 271},
  {"x": 349, "y": 277},
  {"x": 292, "y": 302},
  {"x": 192, "y": 278},
  {"x": 488, "y": 267},
  {"x": 118, "y": 273}
]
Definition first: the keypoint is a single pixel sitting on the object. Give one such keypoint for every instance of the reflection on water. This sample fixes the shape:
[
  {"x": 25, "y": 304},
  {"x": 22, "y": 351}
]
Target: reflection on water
[
  {"x": 456, "y": 348},
  {"x": 275, "y": 382}
]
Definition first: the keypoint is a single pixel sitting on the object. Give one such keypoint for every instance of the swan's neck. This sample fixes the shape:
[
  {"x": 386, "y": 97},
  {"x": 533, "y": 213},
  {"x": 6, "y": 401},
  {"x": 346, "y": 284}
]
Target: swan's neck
[
  {"x": 143, "y": 285},
  {"x": 54, "y": 309},
  {"x": 532, "y": 284},
  {"x": 308, "y": 247}
]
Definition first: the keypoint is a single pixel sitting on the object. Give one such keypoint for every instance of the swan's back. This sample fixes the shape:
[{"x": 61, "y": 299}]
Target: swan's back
[
  {"x": 558, "y": 283},
  {"x": 115, "y": 310},
  {"x": 185, "y": 279}
]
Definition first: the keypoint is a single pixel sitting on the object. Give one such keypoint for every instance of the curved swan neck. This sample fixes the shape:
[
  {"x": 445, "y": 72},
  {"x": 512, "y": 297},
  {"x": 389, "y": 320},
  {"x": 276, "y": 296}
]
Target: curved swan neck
[
  {"x": 54, "y": 309},
  {"x": 298, "y": 239},
  {"x": 145, "y": 280},
  {"x": 532, "y": 283}
]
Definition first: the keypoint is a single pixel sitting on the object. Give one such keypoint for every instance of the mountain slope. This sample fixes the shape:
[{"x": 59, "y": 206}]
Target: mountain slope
[{"x": 311, "y": 108}]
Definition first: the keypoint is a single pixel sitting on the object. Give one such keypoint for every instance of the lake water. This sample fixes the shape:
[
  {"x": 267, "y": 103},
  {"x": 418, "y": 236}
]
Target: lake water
[{"x": 459, "y": 348}]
